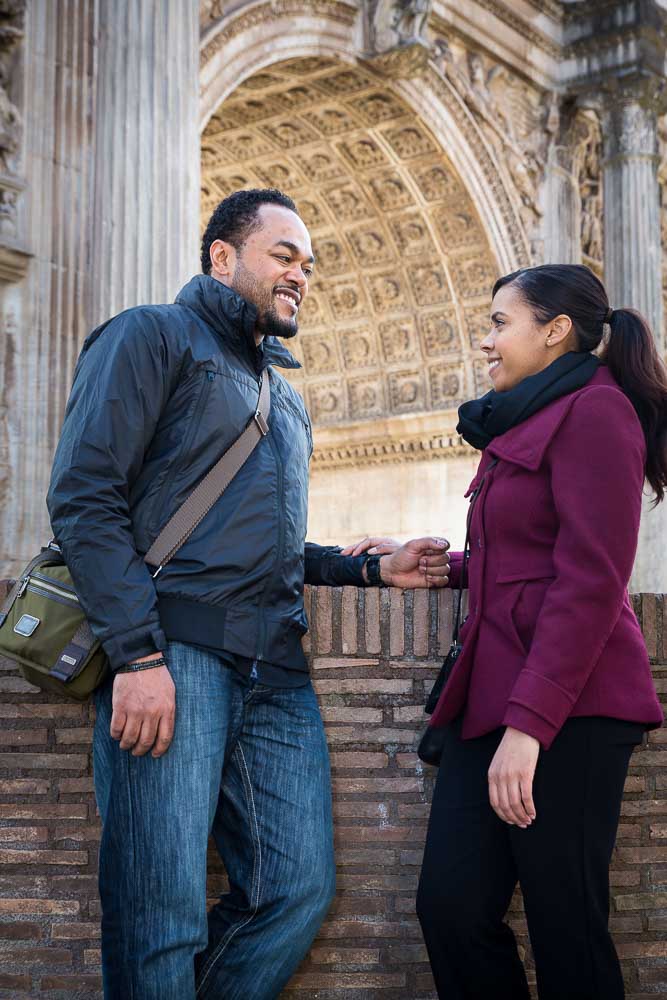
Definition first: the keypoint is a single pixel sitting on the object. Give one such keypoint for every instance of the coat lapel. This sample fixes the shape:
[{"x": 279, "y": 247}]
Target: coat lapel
[{"x": 526, "y": 443}]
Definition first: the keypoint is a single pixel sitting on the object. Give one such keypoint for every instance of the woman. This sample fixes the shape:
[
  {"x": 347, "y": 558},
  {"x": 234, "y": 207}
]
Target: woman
[{"x": 553, "y": 688}]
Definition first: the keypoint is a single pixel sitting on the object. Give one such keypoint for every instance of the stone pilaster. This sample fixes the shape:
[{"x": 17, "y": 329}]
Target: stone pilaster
[
  {"x": 146, "y": 217},
  {"x": 633, "y": 255},
  {"x": 44, "y": 295},
  {"x": 632, "y": 252}
]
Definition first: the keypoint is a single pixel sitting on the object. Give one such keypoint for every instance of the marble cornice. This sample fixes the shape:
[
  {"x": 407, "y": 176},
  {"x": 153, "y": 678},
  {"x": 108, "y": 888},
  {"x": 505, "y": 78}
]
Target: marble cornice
[
  {"x": 508, "y": 16},
  {"x": 390, "y": 451},
  {"x": 390, "y": 440}
]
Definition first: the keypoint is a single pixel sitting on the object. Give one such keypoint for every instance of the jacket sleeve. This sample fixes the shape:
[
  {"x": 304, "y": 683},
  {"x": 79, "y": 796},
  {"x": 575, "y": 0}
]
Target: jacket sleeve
[
  {"x": 455, "y": 570},
  {"x": 325, "y": 566},
  {"x": 596, "y": 463},
  {"x": 121, "y": 385}
]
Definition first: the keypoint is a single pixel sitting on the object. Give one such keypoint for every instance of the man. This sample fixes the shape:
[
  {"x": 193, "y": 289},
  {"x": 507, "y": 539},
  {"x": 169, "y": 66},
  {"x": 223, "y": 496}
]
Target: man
[{"x": 206, "y": 655}]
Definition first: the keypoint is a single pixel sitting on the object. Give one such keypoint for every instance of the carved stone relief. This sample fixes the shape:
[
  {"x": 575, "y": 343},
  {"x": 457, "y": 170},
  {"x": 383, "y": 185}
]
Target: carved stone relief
[
  {"x": 439, "y": 333},
  {"x": 369, "y": 245},
  {"x": 326, "y": 402},
  {"x": 366, "y": 397},
  {"x": 319, "y": 354},
  {"x": 395, "y": 24},
  {"x": 477, "y": 323},
  {"x": 390, "y": 191},
  {"x": 576, "y": 147},
  {"x": 406, "y": 391},
  {"x": 358, "y": 346},
  {"x": 511, "y": 114},
  {"x": 411, "y": 235},
  {"x": 404, "y": 269},
  {"x": 590, "y": 189},
  {"x": 446, "y": 385},
  {"x": 399, "y": 340},
  {"x": 12, "y": 15}
]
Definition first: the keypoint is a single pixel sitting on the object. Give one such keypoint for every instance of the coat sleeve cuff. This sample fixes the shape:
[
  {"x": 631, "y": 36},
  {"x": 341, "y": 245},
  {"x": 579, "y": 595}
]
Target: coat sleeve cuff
[
  {"x": 538, "y": 706},
  {"x": 134, "y": 645},
  {"x": 455, "y": 567}
]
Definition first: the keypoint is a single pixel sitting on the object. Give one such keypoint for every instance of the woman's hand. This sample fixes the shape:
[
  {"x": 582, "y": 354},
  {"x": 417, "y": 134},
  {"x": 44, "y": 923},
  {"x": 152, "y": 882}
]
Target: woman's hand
[
  {"x": 374, "y": 546},
  {"x": 511, "y": 778}
]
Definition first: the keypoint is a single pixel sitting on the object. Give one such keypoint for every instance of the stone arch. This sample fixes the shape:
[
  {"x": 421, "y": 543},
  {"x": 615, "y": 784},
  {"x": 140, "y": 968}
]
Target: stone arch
[
  {"x": 410, "y": 220},
  {"x": 241, "y": 44}
]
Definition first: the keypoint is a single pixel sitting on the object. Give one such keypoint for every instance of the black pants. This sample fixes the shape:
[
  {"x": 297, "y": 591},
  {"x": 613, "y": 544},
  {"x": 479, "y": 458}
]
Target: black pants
[{"x": 474, "y": 860}]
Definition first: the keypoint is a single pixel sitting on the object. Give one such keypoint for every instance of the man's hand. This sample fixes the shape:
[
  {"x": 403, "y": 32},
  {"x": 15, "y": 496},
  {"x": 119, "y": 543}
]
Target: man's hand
[
  {"x": 421, "y": 562},
  {"x": 144, "y": 710},
  {"x": 511, "y": 778}
]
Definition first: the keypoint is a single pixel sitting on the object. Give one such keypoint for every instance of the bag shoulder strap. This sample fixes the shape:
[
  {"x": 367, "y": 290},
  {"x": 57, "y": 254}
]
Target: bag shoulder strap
[{"x": 193, "y": 510}]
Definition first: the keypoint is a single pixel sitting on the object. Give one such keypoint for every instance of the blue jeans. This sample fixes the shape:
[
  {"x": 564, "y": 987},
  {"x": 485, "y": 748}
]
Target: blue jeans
[{"x": 248, "y": 764}]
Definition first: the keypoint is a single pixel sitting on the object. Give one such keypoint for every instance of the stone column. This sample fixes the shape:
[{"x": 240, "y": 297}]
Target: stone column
[
  {"x": 146, "y": 218},
  {"x": 632, "y": 252},
  {"x": 633, "y": 257}
]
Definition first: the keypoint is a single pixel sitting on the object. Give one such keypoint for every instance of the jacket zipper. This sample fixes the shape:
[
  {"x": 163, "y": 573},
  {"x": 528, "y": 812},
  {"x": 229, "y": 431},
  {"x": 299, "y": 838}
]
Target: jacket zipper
[
  {"x": 187, "y": 441},
  {"x": 281, "y": 539}
]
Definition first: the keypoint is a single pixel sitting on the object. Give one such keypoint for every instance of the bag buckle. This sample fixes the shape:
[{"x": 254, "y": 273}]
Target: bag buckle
[{"x": 261, "y": 423}]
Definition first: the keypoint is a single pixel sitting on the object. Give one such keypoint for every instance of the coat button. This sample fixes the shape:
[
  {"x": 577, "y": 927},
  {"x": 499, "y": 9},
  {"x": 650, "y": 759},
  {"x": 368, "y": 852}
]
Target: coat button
[{"x": 479, "y": 542}]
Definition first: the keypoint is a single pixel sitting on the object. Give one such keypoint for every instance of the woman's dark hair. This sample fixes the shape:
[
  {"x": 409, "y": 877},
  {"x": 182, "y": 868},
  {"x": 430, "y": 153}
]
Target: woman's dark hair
[
  {"x": 236, "y": 218},
  {"x": 629, "y": 351}
]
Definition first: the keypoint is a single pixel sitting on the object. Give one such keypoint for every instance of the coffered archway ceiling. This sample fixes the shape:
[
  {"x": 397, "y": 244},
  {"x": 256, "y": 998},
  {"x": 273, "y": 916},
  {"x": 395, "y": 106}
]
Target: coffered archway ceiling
[{"x": 404, "y": 267}]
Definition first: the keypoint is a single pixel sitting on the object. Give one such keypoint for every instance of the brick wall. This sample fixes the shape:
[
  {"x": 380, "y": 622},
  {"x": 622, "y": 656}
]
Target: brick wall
[{"x": 374, "y": 655}]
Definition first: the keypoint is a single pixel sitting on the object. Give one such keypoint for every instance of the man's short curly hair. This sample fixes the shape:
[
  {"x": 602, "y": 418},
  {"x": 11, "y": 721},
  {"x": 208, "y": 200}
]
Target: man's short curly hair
[{"x": 236, "y": 218}]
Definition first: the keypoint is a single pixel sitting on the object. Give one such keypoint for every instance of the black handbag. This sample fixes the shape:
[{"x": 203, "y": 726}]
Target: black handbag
[{"x": 433, "y": 739}]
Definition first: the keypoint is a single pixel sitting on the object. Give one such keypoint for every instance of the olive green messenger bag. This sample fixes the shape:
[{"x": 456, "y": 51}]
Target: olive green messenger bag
[{"x": 43, "y": 628}]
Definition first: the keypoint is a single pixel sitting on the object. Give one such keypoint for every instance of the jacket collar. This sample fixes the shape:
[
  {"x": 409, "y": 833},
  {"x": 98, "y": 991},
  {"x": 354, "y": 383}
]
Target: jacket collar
[
  {"x": 526, "y": 443},
  {"x": 233, "y": 318}
]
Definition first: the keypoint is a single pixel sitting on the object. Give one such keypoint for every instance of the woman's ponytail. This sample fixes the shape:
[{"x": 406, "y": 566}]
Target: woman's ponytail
[{"x": 631, "y": 355}]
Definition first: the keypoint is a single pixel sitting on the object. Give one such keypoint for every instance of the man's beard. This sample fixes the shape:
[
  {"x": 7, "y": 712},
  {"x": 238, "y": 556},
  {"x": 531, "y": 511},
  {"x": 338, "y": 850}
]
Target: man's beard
[{"x": 269, "y": 322}]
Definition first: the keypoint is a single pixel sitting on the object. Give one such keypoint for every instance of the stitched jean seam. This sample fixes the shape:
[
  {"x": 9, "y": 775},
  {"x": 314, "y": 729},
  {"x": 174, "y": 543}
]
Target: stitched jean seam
[
  {"x": 133, "y": 813},
  {"x": 256, "y": 873}
]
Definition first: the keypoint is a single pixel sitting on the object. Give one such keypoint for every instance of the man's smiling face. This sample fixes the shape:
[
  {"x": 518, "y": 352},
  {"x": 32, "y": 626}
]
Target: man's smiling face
[{"x": 271, "y": 270}]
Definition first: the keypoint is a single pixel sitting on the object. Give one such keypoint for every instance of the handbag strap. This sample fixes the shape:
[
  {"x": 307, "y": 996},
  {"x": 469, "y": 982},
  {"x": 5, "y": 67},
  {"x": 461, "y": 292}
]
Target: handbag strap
[
  {"x": 466, "y": 551},
  {"x": 193, "y": 510}
]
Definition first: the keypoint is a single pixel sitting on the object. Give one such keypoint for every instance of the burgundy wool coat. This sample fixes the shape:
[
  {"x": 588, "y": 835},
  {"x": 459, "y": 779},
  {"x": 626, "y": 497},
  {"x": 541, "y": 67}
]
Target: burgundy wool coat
[{"x": 550, "y": 631}]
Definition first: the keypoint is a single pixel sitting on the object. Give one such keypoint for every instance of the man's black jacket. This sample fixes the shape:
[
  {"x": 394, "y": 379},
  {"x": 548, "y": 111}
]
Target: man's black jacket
[{"x": 159, "y": 393}]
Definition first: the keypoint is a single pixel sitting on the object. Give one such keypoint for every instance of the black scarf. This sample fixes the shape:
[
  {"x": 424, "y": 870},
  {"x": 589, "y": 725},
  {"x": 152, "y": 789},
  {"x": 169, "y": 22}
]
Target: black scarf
[{"x": 480, "y": 420}]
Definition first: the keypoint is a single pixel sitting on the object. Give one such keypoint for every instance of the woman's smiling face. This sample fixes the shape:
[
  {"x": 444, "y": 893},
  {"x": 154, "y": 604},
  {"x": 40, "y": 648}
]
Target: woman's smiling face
[{"x": 517, "y": 345}]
